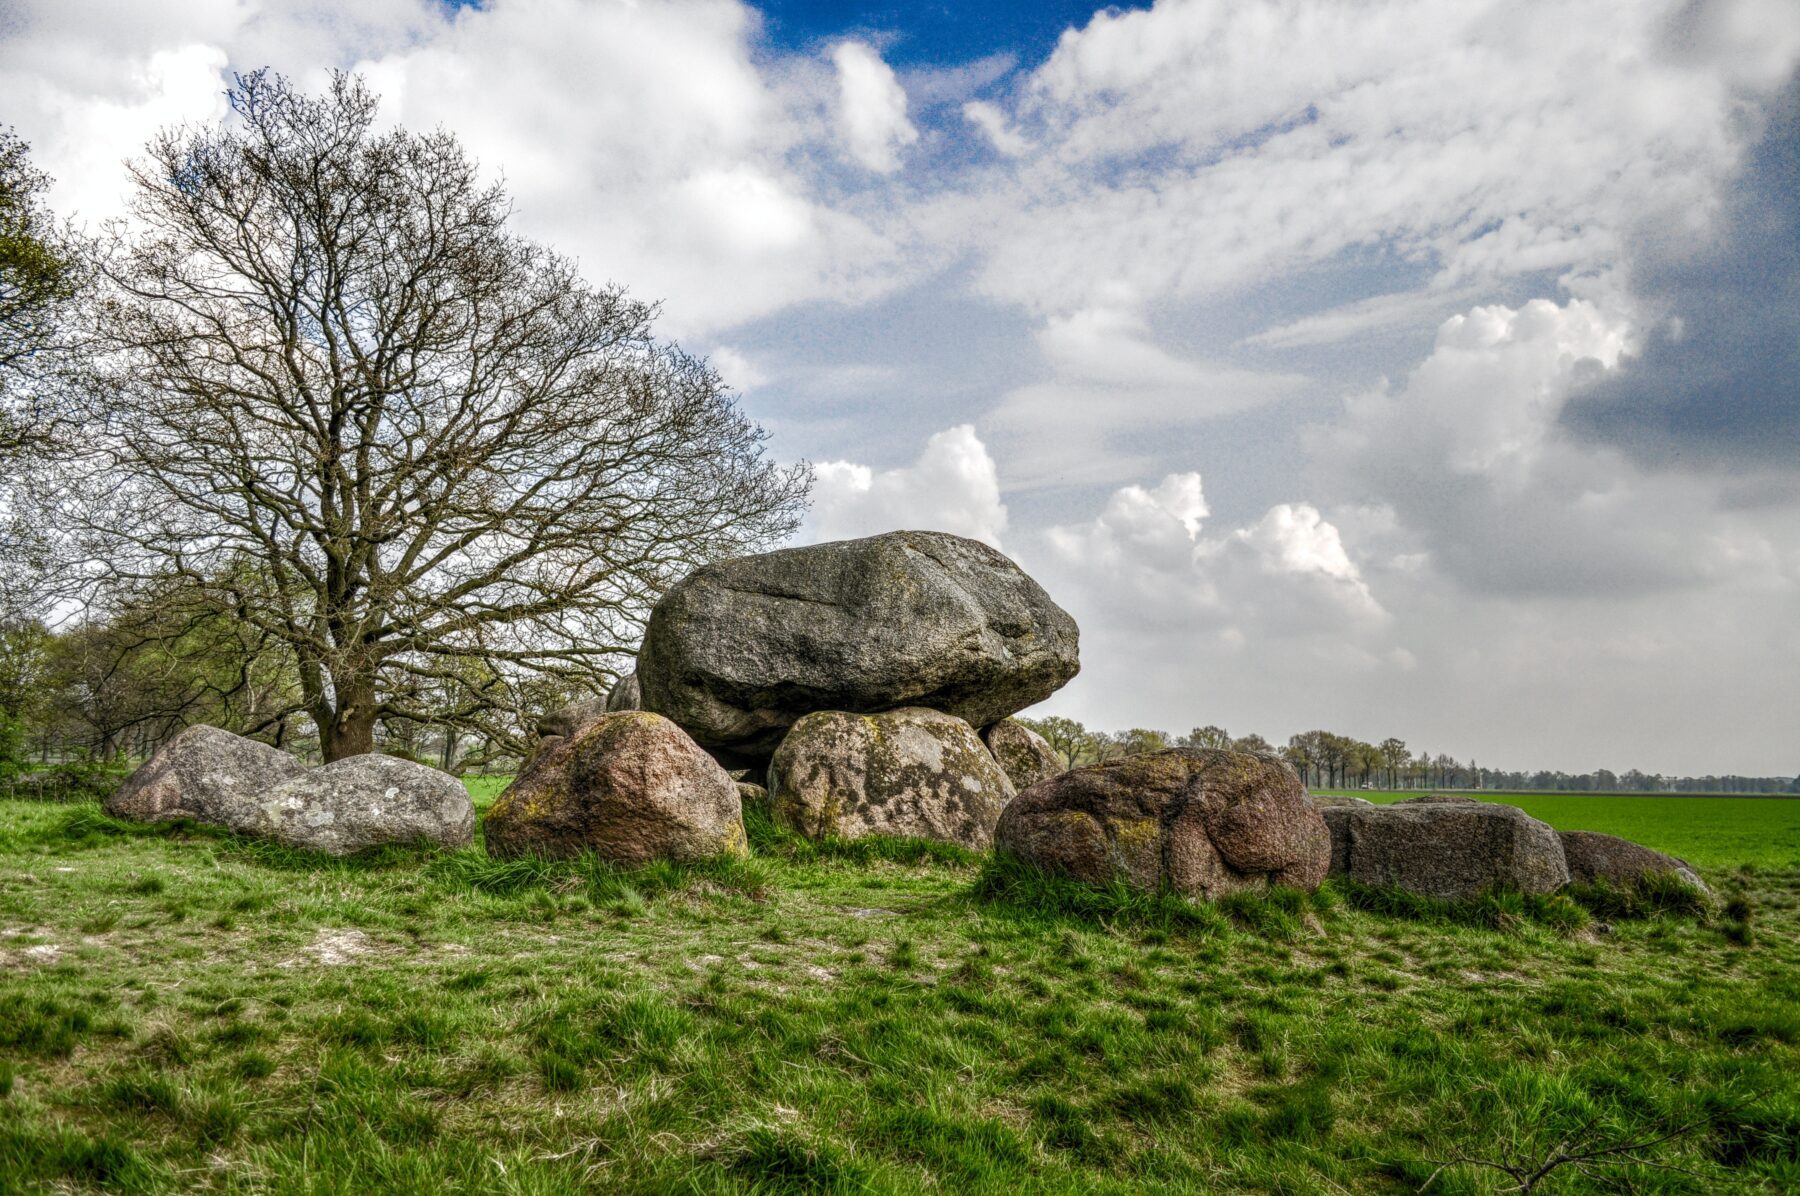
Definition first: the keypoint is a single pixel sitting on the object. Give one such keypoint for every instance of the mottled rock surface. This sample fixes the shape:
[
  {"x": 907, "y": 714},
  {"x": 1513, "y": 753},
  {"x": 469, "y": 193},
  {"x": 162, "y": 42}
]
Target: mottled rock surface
[
  {"x": 1325, "y": 801},
  {"x": 206, "y": 774},
  {"x": 1199, "y": 821},
  {"x": 1023, "y": 754},
  {"x": 625, "y": 695},
  {"x": 752, "y": 794},
  {"x": 1594, "y": 857},
  {"x": 365, "y": 801},
  {"x": 1452, "y": 848},
  {"x": 564, "y": 721},
  {"x": 912, "y": 771},
  {"x": 741, "y": 649},
  {"x": 630, "y": 787}
]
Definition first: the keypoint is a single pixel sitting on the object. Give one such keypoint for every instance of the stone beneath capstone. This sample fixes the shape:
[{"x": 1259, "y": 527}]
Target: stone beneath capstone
[
  {"x": 1451, "y": 848},
  {"x": 1594, "y": 857},
  {"x": 913, "y": 772},
  {"x": 564, "y": 721},
  {"x": 1203, "y": 822},
  {"x": 1024, "y": 754},
  {"x": 752, "y": 794},
  {"x": 625, "y": 695},
  {"x": 365, "y": 801},
  {"x": 741, "y": 649},
  {"x": 631, "y": 787},
  {"x": 206, "y": 774}
]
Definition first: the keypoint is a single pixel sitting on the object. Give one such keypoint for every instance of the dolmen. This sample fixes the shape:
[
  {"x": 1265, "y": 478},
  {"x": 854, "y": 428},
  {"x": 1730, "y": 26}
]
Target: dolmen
[
  {"x": 213, "y": 777},
  {"x": 859, "y": 687}
]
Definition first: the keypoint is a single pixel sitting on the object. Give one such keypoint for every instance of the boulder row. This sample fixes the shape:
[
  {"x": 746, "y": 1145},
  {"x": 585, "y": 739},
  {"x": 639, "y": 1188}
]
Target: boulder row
[
  {"x": 365, "y": 801},
  {"x": 1202, "y": 822},
  {"x": 1452, "y": 848},
  {"x": 740, "y": 650},
  {"x": 206, "y": 774},
  {"x": 630, "y": 787},
  {"x": 913, "y": 772},
  {"x": 1593, "y": 857},
  {"x": 1023, "y": 754}
]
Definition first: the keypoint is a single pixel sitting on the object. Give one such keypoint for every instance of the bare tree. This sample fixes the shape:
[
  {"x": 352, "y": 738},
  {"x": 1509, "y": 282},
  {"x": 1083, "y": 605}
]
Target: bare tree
[{"x": 344, "y": 405}]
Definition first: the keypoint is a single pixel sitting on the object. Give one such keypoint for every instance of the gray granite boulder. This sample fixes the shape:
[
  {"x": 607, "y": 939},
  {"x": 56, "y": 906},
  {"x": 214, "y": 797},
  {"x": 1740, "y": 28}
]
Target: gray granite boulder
[
  {"x": 566, "y": 720},
  {"x": 1453, "y": 848},
  {"x": 741, "y": 649},
  {"x": 206, "y": 774},
  {"x": 1024, "y": 754},
  {"x": 1594, "y": 857},
  {"x": 625, "y": 695},
  {"x": 913, "y": 772},
  {"x": 1203, "y": 822},
  {"x": 1325, "y": 801},
  {"x": 630, "y": 787},
  {"x": 364, "y": 801}
]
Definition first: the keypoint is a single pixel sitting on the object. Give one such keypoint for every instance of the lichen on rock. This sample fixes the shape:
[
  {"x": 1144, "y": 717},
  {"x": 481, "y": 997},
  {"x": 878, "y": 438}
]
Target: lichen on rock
[
  {"x": 1195, "y": 821},
  {"x": 912, "y": 771}
]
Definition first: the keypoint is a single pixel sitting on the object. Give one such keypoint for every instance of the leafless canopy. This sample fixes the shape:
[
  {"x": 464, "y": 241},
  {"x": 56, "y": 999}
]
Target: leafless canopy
[{"x": 338, "y": 401}]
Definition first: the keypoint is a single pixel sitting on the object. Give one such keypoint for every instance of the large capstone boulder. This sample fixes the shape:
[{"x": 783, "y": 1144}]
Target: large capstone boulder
[
  {"x": 913, "y": 772},
  {"x": 1453, "y": 848},
  {"x": 206, "y": 774},
  {"x": 631, "y": 787},
  {"x": 365, "y": 801},
  {"x": 1594, "y": 858},
  {"x": 1200, "y": 821},
  {"x": 625, "y": 695},
  {"x": 741, "y": 649},
  {"x": 1024, "y": 755}
]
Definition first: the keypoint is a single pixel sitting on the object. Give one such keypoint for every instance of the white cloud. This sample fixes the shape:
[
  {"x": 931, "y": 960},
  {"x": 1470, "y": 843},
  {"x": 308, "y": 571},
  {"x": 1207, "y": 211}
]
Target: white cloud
[
  {"x": 1108, "y": 380},
  {"x": 1471, "y": 457},
  {"x": 1193, "y": 149},
  {"x": 648, "y": 141},
  {"x": 871, "y": 108},
  {"x": 992, "y": 123},
  {"x": 952, "y": 487}
]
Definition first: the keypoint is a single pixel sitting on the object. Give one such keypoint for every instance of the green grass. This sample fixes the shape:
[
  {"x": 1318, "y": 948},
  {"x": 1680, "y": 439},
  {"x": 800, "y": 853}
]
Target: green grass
[
  {"x": 183, "y": 1011},
  {"x": 1710, "y": 832}
]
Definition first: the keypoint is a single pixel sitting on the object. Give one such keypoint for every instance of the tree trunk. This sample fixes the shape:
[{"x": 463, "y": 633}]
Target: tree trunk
[{"x": 352, "y": 728}]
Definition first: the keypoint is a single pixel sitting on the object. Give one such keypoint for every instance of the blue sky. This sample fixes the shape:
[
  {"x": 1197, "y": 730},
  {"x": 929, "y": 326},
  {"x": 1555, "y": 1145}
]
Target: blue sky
[{"x": 1404, "y": 368}]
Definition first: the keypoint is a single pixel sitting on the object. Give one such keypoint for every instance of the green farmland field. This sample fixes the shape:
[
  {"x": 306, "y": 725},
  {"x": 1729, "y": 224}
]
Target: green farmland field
[{"x": 1709, "y": 832}]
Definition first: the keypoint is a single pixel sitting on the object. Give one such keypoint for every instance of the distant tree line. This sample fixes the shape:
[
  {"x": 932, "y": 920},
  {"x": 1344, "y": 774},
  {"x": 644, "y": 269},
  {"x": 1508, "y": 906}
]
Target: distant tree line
[{"x": 1328, "y": 761}]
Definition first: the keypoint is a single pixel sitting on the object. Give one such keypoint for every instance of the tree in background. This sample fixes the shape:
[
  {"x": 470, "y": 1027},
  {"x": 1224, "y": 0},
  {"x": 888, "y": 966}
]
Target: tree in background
[
  {"x": 1394, "y": 758},
  {"x": 347, "y": 409},
  {"x": 38, "y": 278},
  {"x": 1206, "y": 737}
]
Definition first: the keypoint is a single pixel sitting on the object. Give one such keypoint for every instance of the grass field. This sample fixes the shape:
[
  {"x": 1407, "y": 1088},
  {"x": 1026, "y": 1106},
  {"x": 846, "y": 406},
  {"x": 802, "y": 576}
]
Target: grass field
[
  {"x": 1711, "y": 832},
  {"x": 183, "y": 1011}
]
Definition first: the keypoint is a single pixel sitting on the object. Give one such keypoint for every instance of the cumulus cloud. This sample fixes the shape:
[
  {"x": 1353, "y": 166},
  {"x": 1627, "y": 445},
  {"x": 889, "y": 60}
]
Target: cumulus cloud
[
  {"x": 952, "y": 487},
  {"x": 1193, "y": 149},
  {"x": 648, "y": 141},
  {"x": 1471, "y": 455},
  {"x": 871, "y": 108}
]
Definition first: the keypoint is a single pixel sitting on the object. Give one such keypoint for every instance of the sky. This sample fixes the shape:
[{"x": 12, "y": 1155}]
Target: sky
[{"x": 1406, "y": 367}]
